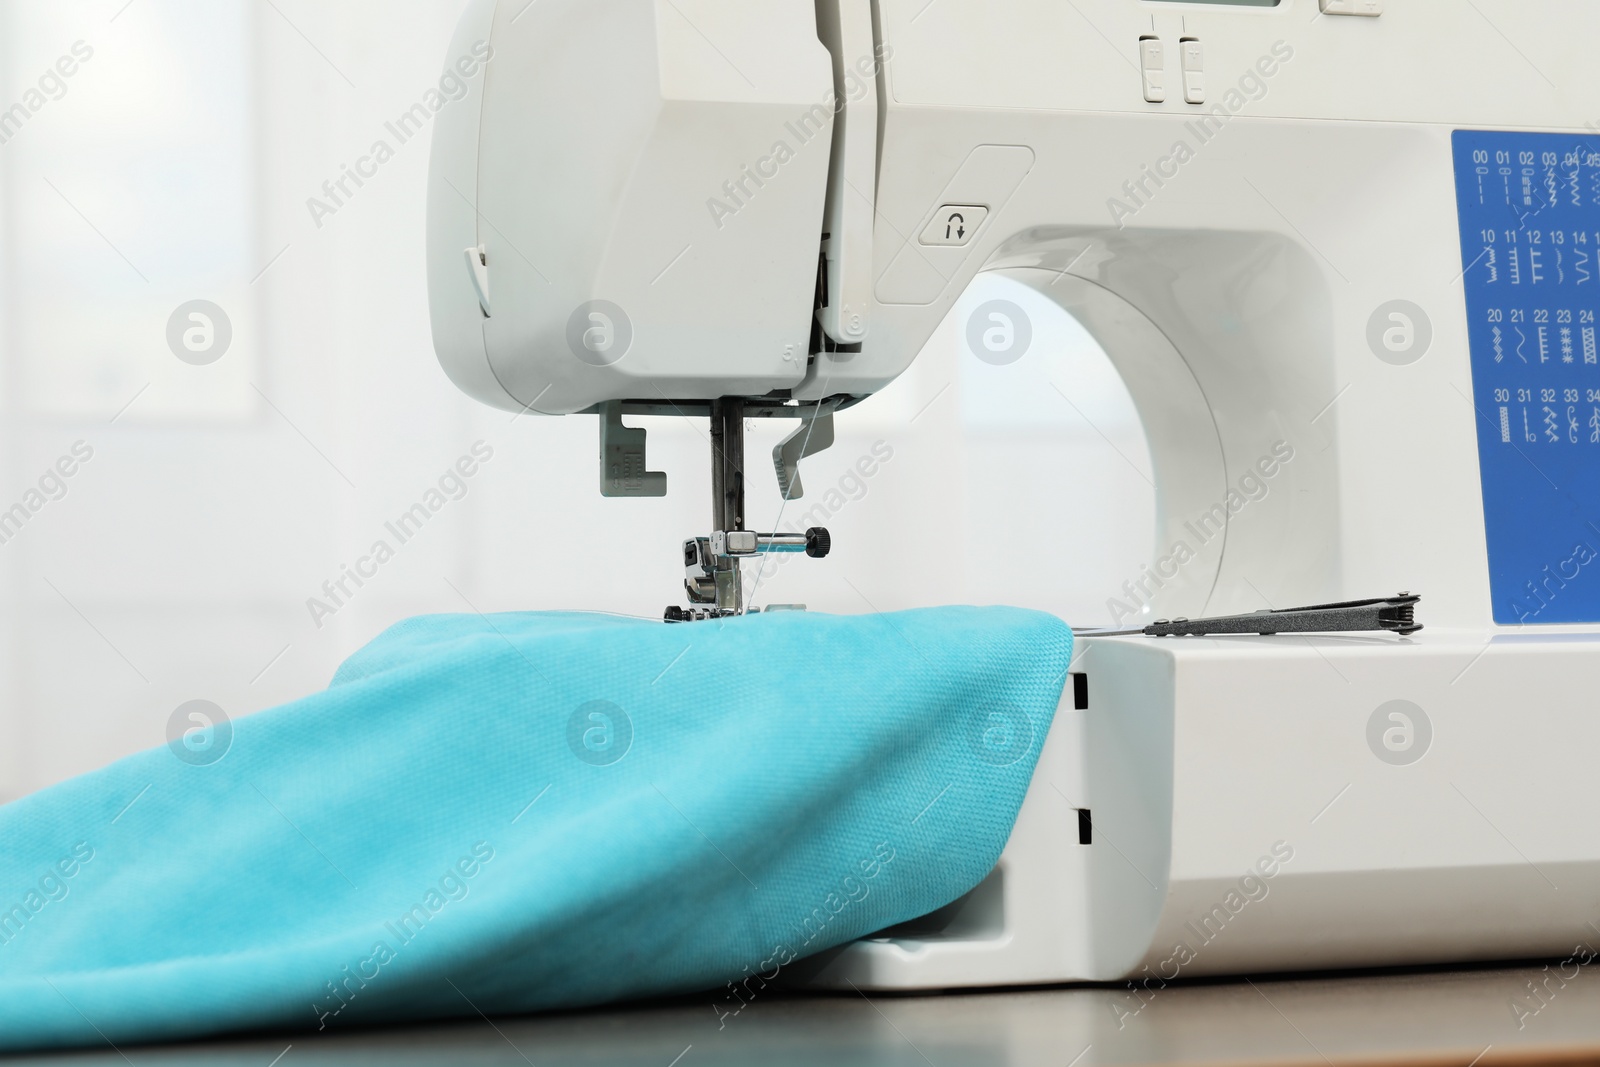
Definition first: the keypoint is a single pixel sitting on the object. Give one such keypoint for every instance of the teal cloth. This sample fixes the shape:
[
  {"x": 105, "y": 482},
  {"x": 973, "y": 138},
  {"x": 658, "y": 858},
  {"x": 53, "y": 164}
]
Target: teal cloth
[{"x": 528, "y": 811}]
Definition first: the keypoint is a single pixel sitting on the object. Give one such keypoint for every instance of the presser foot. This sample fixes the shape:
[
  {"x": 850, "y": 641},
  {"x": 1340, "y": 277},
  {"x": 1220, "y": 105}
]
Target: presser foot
[
  {"x": 677, "y": 614},
  {"x": 713, "y": 574}
]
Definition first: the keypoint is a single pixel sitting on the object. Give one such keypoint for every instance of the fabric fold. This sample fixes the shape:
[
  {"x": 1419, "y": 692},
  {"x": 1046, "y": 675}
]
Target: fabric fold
[{"x": 527, "y": 812}]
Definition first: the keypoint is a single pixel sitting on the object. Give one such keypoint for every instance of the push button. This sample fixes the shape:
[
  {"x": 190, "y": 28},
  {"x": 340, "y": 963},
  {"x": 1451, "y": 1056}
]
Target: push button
[
  {"x": 1153, "y": 65},
  {"x": 954, "y": 224},
  {"x": 1194, "y": 71}
]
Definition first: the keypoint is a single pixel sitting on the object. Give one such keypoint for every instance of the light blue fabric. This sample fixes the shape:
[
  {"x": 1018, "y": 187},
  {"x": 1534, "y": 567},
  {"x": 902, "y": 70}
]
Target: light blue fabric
[{"x": 525, "y": 812}]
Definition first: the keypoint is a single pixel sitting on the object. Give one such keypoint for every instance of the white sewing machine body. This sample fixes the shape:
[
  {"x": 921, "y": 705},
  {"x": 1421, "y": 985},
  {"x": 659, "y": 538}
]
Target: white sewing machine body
[{"x": 1236, "y": 258}]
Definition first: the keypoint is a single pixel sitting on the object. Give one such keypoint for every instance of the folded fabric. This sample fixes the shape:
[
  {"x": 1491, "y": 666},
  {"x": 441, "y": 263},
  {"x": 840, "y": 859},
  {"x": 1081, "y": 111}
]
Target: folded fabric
[{"x": 522, "y": 812}]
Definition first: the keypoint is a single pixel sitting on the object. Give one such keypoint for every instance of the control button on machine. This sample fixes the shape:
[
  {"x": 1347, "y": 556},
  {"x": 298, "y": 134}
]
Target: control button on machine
[
  {"x": 1369, "y": 8},
  {"x": 1194, "y": 71},
  {"x": 1153, "y": 65},
  {"x": 954, "y": 224}
]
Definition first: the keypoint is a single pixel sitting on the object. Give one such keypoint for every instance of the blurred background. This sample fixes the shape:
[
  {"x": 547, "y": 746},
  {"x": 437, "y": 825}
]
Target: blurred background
[{"x": 175, "y": 563}]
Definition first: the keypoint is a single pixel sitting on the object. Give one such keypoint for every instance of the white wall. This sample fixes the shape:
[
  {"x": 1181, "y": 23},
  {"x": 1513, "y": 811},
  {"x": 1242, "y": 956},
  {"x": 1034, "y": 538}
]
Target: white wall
[{"x": 175, "y": 166}]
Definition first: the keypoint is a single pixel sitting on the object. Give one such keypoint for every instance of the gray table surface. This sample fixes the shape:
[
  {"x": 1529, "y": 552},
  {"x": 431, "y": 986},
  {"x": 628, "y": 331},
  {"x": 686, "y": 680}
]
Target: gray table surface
[{"x": 1481, "y": 1017}]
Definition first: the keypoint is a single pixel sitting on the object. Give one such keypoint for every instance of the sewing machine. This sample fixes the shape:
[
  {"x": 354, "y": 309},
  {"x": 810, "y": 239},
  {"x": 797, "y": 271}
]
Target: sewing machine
[{"x": 1361, "y": 233}]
